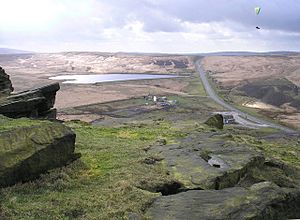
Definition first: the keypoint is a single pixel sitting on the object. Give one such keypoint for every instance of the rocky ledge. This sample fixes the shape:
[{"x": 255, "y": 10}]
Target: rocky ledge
[
  {"x": 218, "y": 177},
  {"x": 207, "y": 161},
  {"x": 28, "y": 147},
  {"x": 37, "y": 103},
  {"x": 31, "y": 147},
  {"x": 261, "y": 201}
]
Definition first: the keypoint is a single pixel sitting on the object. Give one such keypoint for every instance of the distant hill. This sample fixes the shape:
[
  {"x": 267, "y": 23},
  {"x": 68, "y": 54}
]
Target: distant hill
[
  {"x": 221, "y": 53},
  {"x": 248, "y": 53},
  {"x": 13, "y": 51}
]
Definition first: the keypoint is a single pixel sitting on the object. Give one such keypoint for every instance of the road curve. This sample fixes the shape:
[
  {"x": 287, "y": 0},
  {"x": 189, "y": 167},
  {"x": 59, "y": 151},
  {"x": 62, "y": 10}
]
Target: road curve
[{"x": 245, "y": 116}]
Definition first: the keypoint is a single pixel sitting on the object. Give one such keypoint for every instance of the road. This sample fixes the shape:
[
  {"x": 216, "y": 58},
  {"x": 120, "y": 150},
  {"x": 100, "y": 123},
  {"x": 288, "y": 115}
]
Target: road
[{"x": 241, "y": 117}]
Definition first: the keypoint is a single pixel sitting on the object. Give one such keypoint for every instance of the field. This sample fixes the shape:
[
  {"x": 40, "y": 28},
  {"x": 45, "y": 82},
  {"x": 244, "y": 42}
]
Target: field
[{"x": 30, "y": 71}]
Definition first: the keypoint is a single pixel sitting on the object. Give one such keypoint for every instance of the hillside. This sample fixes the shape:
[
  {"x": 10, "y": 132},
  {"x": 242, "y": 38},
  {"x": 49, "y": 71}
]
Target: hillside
[
  {"x": 13, "y": 51},
  {"x": 267, "y": 84},
  {"x": 141, "y": 158}
]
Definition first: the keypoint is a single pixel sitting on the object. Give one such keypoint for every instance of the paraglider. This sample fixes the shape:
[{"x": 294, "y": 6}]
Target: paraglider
[{"x": 257, "y": 11}]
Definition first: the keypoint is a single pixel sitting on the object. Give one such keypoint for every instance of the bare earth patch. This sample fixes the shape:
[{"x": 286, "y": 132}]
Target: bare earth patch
[
  {"x": 82, "y": 117},
  {"x": 293, "y": 119},
  {"x": 259, "y": 105}
]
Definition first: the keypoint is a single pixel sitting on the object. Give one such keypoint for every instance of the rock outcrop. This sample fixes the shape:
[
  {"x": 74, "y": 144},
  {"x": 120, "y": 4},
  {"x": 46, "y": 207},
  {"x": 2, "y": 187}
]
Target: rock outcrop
[
  {"x": 31, "y": 147},
  {"x": 216, "y": 177},
  {"x": 261, "y": 201},
  {"x": 5, "y": 83},
  {"x": 208, "y": 165},
  {"x": 215, "y": 121},
  {"x": 37, "y": 103}
]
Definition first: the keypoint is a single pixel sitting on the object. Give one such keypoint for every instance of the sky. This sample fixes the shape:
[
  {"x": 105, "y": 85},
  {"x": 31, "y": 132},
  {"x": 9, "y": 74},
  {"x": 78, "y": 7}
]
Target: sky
[{"x": 165, "y": 26}]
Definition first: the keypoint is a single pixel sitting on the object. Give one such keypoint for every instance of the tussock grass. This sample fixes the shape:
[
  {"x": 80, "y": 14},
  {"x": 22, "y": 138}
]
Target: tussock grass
[{"x": 107, "y": 182}]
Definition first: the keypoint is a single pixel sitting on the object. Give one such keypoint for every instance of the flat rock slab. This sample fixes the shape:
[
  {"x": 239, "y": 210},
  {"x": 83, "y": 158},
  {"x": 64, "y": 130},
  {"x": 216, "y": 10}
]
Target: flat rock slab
[
  {"x": 30, "y": 147},
  {"x": 36, "y": 103},
  {"x": 262, "y": 201},
  {"x": 206, "y": 162}
]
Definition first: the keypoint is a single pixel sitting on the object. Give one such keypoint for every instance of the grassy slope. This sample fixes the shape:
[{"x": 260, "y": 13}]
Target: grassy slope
[
  {"x": 103, "y": 184},
  {"x": 107, "y": 182},
  {"x": 285, "y": 150},
  {"x": 8, "y": 123}
]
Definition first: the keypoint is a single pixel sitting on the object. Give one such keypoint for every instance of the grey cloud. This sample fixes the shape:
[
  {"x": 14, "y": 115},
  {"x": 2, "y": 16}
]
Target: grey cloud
[
  {"x": 279, "y": 19},
  {"x": 276, "y": 14},
  {"x": 158, "y": 21},
  {"x": 155, "y": 19}
]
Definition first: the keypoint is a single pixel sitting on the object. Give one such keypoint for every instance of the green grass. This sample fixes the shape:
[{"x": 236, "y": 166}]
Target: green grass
[
  {"x": 111, "y": 180},
  {"x": 106, "y": 183},
  {"x": 285, "y": 151},
  {"x": 195, "y": 86},
  {"x": 9, "y": 123}
]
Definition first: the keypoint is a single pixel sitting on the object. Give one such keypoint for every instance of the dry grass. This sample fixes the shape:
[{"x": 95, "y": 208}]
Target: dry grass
[
  {"x": 31, "y": 71},
  {"x": 238, "y": 70},
  {"x": 77, "y": 95},
  {"x": 28, "y": 71}
]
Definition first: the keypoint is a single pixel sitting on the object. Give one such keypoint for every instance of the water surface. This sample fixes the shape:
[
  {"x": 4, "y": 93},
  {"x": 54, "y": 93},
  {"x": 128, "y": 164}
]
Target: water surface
[{"x": 99, "y": 78}]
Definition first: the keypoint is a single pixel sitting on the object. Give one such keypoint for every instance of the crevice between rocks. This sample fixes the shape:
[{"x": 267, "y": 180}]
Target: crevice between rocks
[
  {"x": 170, "y": 188},
  {"x": 231, "y": 179}
]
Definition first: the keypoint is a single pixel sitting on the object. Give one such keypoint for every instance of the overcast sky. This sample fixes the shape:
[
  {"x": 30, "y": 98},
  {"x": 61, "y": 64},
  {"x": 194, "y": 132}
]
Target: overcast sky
[{"x": 177, "y": 26}]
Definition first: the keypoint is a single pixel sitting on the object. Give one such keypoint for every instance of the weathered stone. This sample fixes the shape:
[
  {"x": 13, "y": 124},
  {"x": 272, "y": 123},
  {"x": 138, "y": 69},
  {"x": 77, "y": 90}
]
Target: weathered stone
[
  {"x": 29, "y": 148},
  {"x": 215, "y": 121},
  {"x": 262, "y": 201},
  {"x": 5, "y": 83},
  {"x": 282, "y": 175},
  {"x": 36, "y": 103},
  {"x": 210, "y": 165},
  {"x": 162, "y": 141}
]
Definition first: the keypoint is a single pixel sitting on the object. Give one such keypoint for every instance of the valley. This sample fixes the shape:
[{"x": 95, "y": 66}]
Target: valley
[{"x": 150, "y": 149}]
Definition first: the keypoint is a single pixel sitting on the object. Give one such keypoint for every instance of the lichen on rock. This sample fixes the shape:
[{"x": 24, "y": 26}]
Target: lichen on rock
[
  {"x": 30, "y": 149},
  {"x": 264, "y": 200}
]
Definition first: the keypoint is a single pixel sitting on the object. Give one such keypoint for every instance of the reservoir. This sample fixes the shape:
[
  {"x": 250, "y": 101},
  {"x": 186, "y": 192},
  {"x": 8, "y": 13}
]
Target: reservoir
[{"x": 100, "y": 78}]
